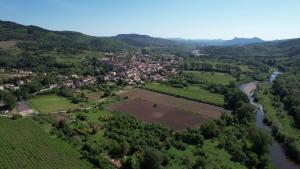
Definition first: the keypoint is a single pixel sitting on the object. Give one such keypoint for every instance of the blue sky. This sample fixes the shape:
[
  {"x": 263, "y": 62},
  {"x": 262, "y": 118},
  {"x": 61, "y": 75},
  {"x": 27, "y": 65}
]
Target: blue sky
[{"x": 194, "y": 19}]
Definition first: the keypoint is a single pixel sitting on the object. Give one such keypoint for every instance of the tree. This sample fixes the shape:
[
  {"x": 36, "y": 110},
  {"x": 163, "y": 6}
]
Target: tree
[
  {"x": 209, "y": 129},
  {"x": 125, "y": 148},
  {"x": 152, "y": 159},
  {"x": 9, "y": 99},
  {"x": 132, "y": 162},
  {"x": 260, "y": 139},
  {"x": 115, "y": 149},
  {"x": 234, "y": 98},
  {"x": 245, "y": 113},
  {"x": 200, "y": 163}
]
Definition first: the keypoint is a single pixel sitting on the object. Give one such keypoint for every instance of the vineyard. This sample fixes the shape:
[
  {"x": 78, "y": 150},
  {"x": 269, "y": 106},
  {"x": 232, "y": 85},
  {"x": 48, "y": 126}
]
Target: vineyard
[{"x": 25, "y": 145}]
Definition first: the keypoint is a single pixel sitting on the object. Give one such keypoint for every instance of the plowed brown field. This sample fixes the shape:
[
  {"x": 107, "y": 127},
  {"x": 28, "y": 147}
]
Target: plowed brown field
[{"x": 173, "y": 112}]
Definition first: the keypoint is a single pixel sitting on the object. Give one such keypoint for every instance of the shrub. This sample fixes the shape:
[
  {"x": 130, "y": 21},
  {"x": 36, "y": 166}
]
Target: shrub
[{"x": 16, "y": 116}]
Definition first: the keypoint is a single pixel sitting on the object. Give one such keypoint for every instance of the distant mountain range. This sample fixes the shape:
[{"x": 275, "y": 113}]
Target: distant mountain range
[
  {"x": 219, "y": 42},
  {"x": 39, "y": 38},
  {"x": 145, "y": 40},
  {"x": 11, "y": 30}
]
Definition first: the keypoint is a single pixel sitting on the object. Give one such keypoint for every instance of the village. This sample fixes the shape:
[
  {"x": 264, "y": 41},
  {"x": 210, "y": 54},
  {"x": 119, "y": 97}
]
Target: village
[
  {"x": 132, "y": 69},
  {"x": 141, "y": 68}
]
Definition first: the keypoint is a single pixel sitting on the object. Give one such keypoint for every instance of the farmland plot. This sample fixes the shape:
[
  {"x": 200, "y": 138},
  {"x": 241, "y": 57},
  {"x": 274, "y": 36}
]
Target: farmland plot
[
  {"x": 25, "y": 146},
  {"x": 173, "y": 112}
]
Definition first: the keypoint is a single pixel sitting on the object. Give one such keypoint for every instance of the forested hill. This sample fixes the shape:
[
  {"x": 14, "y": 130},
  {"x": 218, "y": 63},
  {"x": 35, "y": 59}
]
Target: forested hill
[
  {"x": 145, "y": 40},
  {"x": 39, "y": 38},
  {"x": 36, "y": 38},
  {"x": 282, "y": 48}
]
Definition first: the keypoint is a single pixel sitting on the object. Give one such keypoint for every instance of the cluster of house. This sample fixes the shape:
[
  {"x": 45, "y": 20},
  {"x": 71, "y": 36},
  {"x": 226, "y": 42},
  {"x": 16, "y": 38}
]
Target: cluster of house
[
  {"x": 140, "y": 68},
  {"x": 22, "y": 74},
  {"x": 73, "y": 81},
  {"x": 16, "y": 71},
  {"x": 16, "y": 86}
]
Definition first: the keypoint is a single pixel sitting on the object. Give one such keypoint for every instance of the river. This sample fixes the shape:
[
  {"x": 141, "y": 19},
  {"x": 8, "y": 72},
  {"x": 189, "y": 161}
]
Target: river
[{"x": 277, "y": 154}]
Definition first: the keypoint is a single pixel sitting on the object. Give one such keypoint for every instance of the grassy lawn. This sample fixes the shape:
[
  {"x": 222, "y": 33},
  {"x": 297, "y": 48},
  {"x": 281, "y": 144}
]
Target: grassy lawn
[
  {"x": 25, "y": 145},
  {"x": 51, "y": 103},
  {"x": 212, "y": 77},
  {"x": 190, "y": 92}
]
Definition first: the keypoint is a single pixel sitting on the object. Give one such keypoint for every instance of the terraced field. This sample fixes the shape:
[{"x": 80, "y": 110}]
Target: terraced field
[{"x": 26, "y": 146}]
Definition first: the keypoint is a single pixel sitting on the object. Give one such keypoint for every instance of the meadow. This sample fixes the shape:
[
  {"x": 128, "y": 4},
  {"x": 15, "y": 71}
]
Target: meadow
[
  {"x": 190, "y": 92},
  {"x": 25, "y": 145},
  {"x": 211, "y": 77},
  {"x": 51, "y": 103}
]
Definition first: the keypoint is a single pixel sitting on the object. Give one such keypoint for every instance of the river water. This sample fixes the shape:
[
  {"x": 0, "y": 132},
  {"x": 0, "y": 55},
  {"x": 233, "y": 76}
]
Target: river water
[{"x": 277, "y": 154}]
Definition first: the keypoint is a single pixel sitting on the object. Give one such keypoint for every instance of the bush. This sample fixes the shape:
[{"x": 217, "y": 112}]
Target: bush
[
  {"x": 209, "y": 129},
  {"x": 82, "y": 117},
  {"x": 152, "y": 159},
  {"x": 132, "y": 162},
  {"x": 16, "y": 116}
]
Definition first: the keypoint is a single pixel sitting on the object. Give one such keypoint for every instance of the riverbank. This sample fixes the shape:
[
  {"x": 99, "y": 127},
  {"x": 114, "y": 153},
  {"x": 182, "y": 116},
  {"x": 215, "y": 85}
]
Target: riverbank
[
  {"x": 281, "y": 123},
  {"x": 276, "y": 150}
]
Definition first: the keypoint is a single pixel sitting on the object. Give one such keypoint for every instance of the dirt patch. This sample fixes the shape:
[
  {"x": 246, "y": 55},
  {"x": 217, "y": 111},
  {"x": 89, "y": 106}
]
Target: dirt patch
[
  {"x": 173, "y": 112},
  {"x": 23, "y": 109},
  {"x": 248, "y": 88}
]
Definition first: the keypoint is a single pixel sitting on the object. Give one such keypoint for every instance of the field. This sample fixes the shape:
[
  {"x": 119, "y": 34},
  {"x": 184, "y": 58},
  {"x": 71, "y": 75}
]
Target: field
[
  {"x": 212, "y": 77},
  {"x": 191, "y": 92},
  {"x": 24, "y": 145},
  {"x": 173, "y": 112},
  {"x": 51, "y": 103},
  {"x": 78, "y": 58},
  {"x": 7, "y": 44},
  {"x": 7, "y": 76},
  {"x": 93, "y": 96}
]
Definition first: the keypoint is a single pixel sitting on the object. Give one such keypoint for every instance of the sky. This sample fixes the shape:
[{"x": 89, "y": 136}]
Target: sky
[{"x": 190, "y": 19}]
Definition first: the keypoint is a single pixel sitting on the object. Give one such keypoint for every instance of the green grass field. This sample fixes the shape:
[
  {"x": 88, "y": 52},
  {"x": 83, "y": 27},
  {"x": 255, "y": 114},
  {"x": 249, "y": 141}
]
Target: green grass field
[
  {"x": 190, "y": 92},
  {"x": 26, "y": 146},
  {"x": 51, "y": 103},
  {"x": 211, "y": 77}
]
